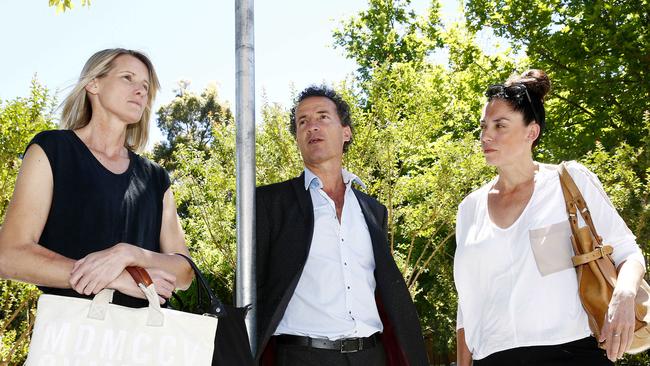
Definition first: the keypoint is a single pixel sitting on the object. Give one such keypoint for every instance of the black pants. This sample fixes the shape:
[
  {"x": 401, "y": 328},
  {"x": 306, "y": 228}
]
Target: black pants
[
  {"x": 290, "y": 355},
  {"x": 577, "y": 353}
]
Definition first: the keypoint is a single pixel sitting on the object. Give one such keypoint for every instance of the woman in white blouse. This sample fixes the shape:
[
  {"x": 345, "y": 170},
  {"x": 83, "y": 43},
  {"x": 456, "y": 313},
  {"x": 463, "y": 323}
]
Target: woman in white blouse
[{"x": 518, "y": 301}]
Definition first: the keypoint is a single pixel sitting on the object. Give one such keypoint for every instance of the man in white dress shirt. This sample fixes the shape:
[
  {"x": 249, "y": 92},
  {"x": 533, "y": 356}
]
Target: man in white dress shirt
[{"x": 329, "y": 292}]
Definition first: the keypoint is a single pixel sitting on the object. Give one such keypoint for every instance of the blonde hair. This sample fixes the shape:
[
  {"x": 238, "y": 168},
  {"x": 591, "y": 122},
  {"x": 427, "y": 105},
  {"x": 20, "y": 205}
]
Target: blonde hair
[{"x": 77, "y": 110}]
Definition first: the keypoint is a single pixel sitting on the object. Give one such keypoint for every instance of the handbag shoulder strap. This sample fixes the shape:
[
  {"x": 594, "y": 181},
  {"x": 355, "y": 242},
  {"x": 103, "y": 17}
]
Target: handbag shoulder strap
[
  {"x": 575, "y": 203},
  {"x": 216, "y": 306}
]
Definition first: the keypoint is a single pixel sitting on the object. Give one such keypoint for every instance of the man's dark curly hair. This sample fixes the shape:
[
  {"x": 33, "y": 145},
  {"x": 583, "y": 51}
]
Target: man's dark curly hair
[{"x": 342, "y": 108}]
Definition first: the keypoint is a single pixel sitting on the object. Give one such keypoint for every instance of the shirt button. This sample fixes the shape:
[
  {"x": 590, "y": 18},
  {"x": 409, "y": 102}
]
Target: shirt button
[
  {"x": 342, "y": 240},
  {"x": 345, "y": 263},
  {"x": 348, "y": 287},
  {"x": 349, "y": 311}
]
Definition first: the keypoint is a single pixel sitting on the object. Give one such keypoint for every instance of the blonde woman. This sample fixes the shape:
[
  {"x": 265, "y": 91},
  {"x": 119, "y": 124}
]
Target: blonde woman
[{"x": 86, "y": 205}]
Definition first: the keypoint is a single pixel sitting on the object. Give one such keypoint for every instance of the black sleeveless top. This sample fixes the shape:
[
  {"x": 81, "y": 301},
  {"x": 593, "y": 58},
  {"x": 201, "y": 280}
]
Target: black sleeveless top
[{"x": 94, "y": 209}]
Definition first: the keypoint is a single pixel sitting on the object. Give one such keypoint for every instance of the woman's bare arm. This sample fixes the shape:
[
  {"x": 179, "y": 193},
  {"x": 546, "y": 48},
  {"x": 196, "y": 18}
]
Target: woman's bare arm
[{"x": 21, "y": 257}]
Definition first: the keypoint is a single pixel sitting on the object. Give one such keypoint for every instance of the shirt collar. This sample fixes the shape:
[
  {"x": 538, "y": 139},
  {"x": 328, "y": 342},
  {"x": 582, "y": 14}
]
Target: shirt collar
[{"x": 312, "y": 180}]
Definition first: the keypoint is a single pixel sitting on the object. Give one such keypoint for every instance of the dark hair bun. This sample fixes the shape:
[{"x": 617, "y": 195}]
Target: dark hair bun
[{"x": 536, "y": 81}]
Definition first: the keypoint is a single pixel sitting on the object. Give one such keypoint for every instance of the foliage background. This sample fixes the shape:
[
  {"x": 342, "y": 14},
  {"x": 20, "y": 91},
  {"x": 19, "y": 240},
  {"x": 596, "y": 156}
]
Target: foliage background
[{"x": 416, "y": 135}]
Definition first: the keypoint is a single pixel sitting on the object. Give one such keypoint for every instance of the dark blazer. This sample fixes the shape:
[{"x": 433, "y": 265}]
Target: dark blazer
[{"x": 285, "y": 226}]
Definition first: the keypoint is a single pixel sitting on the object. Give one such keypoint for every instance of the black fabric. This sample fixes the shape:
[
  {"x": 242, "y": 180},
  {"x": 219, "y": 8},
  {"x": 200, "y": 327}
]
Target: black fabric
[
  {"x": 231, "y": 342},
  {"x": 289, "y": 355},
  {"x": 93, "y": 209},
  {"x": 583, "y": 352},
  {"x": 284, "y": 229}
]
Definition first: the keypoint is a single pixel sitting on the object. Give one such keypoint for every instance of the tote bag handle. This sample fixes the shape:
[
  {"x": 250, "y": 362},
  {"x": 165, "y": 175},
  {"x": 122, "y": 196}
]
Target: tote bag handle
[{"x": 99, "y": 305}]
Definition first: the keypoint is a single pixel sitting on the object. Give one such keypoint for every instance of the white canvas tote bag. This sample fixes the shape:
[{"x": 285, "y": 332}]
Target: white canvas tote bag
[{"x": 72, "y": 331}]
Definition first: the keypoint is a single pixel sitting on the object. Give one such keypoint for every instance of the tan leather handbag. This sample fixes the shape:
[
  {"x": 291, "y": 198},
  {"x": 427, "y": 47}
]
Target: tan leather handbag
[{"x": 596, "y": 270}]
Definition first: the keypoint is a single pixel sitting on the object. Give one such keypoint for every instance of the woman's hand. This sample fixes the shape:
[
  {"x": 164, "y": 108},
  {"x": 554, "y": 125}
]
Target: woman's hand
[
  {"x": 618, "y": 328},
  {"x": 95, "y": 271},
  {"x": 164, "y": 282}
]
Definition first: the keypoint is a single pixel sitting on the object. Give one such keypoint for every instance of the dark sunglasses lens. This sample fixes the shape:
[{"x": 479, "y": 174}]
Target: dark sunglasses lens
[
  {"x": 494, "y": 90},
  {"x": 516, "y": 90}
]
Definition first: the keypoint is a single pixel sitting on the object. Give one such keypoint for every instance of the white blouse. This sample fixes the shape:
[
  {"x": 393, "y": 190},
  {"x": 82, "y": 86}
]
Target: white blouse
[{"x": 517, "y": 286}]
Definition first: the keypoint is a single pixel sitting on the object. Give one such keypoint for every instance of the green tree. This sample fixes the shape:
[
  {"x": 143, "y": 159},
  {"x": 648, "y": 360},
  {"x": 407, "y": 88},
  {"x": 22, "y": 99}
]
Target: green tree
[
  {"x": 198, "y": 153},
  {"x": 405, "y": 153},
  {"x": 204, "y": 188},
  {"x": 389, "y": 31},
  {"x": 277, "y": 154},
  {"x": 597, "y": 54},
  {"x": 189, "y": 120},
  {"x": 63, "y": 5}
]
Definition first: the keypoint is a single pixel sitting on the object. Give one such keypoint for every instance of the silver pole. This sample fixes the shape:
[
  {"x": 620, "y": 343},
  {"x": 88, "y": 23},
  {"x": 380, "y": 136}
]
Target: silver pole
[{"x": 245, "y": 119}]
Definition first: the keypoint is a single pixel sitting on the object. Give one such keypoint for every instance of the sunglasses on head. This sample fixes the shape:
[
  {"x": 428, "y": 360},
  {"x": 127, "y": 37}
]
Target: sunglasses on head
[{"x": 514, "y": 92}]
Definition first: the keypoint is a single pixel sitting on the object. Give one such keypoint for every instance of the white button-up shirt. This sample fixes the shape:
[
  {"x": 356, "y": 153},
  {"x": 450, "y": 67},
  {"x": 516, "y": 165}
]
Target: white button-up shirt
[
  {"x": 335, "y": 296},
  {"x": 517, "y": 286}
]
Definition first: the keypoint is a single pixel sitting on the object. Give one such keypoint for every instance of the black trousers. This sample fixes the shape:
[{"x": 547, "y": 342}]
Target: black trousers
[
  {"x": 583, "y": 352},
  {"x": 290, "y": 355}
]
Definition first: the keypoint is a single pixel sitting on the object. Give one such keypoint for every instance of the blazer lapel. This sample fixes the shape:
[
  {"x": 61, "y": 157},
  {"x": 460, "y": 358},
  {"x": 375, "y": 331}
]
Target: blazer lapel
[
  {"x": 304, "y": 202},
  {"x": 374, "y": 226},
  {"x": 301, "y": 234},
  {"x": 395, "y": 354}
]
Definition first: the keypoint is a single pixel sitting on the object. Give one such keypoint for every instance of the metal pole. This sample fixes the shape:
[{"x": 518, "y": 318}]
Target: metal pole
[{"x": 245, "y": 118}]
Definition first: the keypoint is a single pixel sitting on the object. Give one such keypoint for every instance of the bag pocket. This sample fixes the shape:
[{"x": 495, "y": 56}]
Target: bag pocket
[{"x": 551, "y": 247}]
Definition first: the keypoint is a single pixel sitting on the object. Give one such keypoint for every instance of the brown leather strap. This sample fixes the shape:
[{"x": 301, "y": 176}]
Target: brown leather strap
[
  {"x": 569, "y": 200},
  {"x": 140, "y": 275},
  {"x": 599, "y": 252},
  {"x": 576, "y": 204}
]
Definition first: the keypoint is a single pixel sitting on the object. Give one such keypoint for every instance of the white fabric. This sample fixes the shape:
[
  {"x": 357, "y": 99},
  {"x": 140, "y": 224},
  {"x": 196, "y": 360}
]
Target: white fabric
[
  {"x": 514, "y": 286},
  {"x": 335, "y": 296},
  {"x": 75, "y": 331}
]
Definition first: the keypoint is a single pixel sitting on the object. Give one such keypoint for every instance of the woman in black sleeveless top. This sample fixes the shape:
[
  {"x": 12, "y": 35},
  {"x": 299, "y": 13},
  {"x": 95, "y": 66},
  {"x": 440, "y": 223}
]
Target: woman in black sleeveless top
[{"x": 85, "y": 205}]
